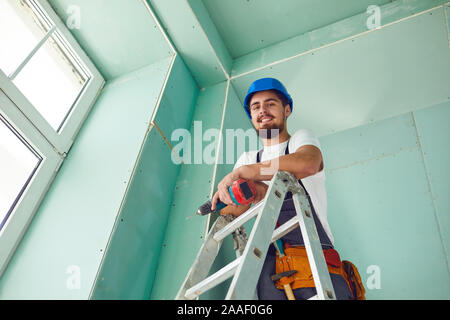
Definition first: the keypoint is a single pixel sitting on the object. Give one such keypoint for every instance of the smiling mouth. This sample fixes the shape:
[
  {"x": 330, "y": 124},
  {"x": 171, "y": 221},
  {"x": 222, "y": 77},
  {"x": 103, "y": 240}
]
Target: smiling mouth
[{"x": 266, "y": 119}]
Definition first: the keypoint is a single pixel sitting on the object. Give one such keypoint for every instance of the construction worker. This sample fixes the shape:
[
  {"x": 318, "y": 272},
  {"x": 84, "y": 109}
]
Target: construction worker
[{"x": 268, "y": 105}]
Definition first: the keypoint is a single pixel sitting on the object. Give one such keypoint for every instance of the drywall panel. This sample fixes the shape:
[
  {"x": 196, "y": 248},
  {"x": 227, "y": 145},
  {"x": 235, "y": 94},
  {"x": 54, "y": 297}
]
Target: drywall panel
[
  {"x": 177, "y": 103},
  {"x": 381, "y": 213},
  {"x": 248, "y": 26},
  {"x": 370, "y": 20},
  {"x": 130, "y": 261},
  {"x": 434, "y": 133},
  {"x": 397, "y": 69},
  {"x": 191, "y": 40},
  {"x": 377, "y": 139},
  {"x": 366, "y": 21},
  {"x": 129, "y": 266},
  {"x": 185, "y": 231},
  {"x": 61, "y": 252},
  {"x": 262, "y": 57},
  {"x": 119, "y": 36},
  {"x": 210, "y": 29}
]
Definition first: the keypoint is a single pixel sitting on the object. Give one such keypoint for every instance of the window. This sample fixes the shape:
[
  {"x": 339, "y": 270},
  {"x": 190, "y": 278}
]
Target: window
[
  {"x": 18, "y": 164},
  {"x": 47, "y": 87}
]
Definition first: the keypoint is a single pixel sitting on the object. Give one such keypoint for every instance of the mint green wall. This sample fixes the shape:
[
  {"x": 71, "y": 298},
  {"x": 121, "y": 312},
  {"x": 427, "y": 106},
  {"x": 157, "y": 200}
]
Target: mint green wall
[
  {"x": 379, "y": 103},
  {"x": 121, "y": 210},
  {"x": 386, "y": 186},
  {"x": 185, "y": 232},
  {"x": 129, "y": 265},
  {"x": 74, "y": 222},
  {"x": 119, "y": 36}
]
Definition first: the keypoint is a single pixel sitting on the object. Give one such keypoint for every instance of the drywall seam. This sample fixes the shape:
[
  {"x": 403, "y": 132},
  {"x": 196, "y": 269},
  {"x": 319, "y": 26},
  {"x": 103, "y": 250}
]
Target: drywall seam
[
  {"x": 361, "y": 162},
  {"x": 227, "y": 76},
  {"x": 333, "y": 43},
  {"x": 152, "y": 13},
  {"x": 430, "y": 189},
  {"x": 161, "y": 93},
  {"x": 180, "y": 161},
  {"x": 117, "y": 215},
  {"x": 136, "y": 162},
  {"x": 446, "y": 21},
  {"x": 218, "y": 153}
]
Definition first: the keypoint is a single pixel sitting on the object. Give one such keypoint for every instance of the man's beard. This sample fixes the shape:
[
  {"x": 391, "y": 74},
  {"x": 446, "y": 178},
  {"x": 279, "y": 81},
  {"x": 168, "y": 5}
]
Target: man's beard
[{"x": 270, "y": 133}]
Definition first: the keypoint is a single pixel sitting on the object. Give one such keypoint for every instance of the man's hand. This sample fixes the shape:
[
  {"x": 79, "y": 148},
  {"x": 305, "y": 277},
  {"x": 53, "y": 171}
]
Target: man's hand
[
  {"x": 224, "y": 195},
  {"x": 222, "y": 190},
  {"x": 261, "y": 189}
]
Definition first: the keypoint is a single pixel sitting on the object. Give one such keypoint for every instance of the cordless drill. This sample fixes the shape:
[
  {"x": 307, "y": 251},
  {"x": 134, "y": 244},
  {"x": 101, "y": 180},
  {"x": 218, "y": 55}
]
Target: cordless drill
[{"x": 242, "y": 192}]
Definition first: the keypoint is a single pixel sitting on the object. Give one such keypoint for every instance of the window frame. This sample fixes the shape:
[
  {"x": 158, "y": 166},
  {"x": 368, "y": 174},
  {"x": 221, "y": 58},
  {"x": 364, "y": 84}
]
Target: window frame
[
  {"x": 63, "y": 139},
  {"x": 51, "y": 145}
]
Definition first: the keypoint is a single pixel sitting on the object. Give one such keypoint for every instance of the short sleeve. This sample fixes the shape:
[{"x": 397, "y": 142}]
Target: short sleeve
[
  {"x": 303, "y": 137},
  {"x": 248, "y": 157},
  {"x": 241, "y": 161}
]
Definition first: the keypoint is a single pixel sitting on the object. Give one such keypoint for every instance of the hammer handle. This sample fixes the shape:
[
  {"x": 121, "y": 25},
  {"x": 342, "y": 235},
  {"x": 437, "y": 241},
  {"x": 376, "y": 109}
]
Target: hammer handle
[{"x": 288, "y": 290}]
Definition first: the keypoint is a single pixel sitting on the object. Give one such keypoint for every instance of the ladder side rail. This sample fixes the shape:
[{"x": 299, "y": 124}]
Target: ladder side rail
[
  {"x": 245, "y": 279},
  {"x": 204, "y": 260},
  {"x": 321, "y": 275}
]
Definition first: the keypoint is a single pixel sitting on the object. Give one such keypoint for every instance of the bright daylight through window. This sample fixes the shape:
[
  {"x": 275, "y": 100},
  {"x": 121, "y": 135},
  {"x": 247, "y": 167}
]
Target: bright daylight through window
[
  {"x": 18, "y": 162},
  {"x": 49, "y": 79},
  {"x": 48, "y": 85}
]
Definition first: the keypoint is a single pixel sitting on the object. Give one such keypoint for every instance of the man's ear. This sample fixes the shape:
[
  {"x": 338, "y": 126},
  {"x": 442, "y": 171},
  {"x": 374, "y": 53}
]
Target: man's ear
[{"x": 287, "y": 110}]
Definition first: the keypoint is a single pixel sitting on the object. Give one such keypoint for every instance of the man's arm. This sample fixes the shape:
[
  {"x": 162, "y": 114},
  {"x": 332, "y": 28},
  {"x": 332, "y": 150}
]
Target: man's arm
[{"x": 304, "y": 162}]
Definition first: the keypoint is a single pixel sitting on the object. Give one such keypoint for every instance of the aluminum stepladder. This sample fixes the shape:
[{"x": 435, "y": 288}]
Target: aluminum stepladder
[{"x": 246, "y": 268}]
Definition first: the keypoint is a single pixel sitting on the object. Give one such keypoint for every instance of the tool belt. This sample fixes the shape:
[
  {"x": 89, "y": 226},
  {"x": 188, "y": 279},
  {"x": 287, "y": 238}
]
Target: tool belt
[{"x": 295, "y": 258}]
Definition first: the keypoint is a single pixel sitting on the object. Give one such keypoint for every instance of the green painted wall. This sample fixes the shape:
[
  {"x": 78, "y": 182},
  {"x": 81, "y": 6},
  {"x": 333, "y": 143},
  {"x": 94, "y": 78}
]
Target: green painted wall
[
  {"x": 249, "y": 26},
  {"x": 119, "y": 36},
  {"x": 130, "y": 261},
  {"x": 122, "y": 211},
  {"x": 73, "y": 224},
  {"x": 393, "y": 70},
  {"x": 185, "y": 232},
  {"x": 386, "y": 207},
  {"x": 379, "y": 104}
]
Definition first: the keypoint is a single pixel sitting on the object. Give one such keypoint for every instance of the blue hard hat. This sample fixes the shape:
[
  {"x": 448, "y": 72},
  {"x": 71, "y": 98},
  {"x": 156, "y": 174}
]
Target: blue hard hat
[{"x": 265, "y": 84}]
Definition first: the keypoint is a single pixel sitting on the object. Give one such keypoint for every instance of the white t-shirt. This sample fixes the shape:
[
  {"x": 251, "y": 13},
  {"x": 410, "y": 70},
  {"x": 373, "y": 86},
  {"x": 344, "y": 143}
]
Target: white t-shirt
[{"x": 315, "y": 184}]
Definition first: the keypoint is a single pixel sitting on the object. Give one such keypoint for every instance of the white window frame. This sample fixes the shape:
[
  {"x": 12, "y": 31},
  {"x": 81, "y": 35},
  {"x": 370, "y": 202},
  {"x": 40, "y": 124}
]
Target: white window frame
[
  {"x": 63, "y": 139},
  {"x": 51, "y": 145}
]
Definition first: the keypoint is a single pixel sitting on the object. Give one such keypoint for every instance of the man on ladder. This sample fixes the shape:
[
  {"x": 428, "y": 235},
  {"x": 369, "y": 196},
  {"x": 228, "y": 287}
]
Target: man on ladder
[{"x": 268, "y": 105}]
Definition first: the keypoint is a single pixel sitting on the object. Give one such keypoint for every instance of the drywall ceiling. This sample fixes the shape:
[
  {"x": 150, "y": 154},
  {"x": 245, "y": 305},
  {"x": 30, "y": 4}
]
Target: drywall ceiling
[{"x": 249, "y": 25}]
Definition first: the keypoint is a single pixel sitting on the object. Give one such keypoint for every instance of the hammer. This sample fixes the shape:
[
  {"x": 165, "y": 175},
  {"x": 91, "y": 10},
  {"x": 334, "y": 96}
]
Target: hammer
[{"x": 287, "y": 286}]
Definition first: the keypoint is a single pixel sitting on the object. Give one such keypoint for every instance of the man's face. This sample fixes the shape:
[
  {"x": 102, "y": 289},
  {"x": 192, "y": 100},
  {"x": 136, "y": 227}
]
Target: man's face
[{"x": 267, "y": 112}]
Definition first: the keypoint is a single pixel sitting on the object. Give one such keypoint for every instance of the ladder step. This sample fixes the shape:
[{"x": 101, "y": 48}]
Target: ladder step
[
  {"x": 238, "y": 222},
  {"x": 213, "y": 280},
  {"x": 285, "y": 228}
]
